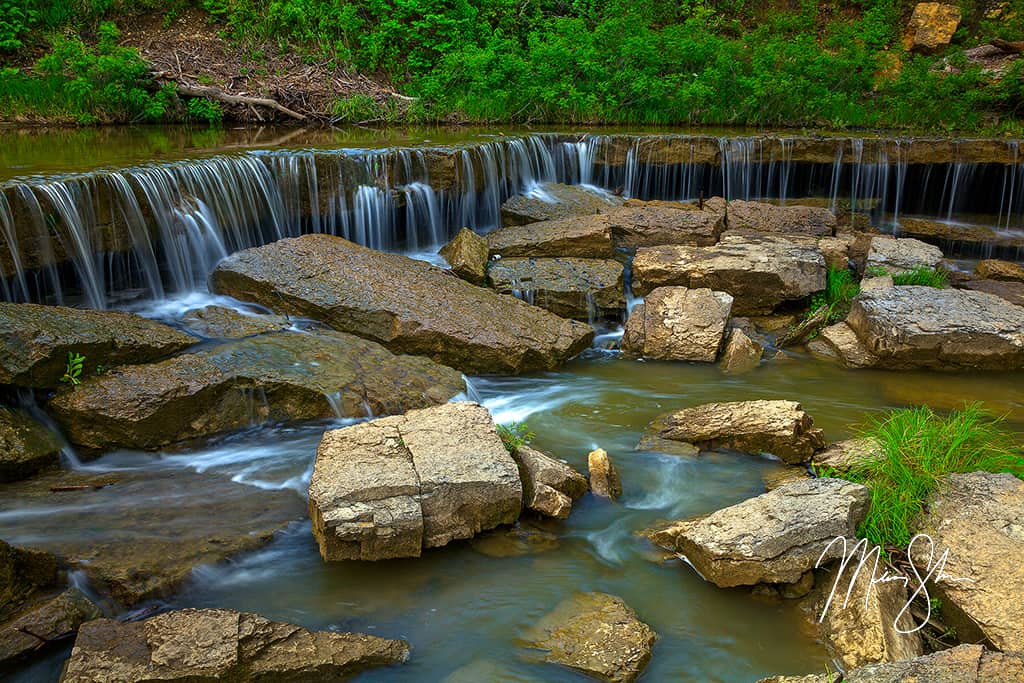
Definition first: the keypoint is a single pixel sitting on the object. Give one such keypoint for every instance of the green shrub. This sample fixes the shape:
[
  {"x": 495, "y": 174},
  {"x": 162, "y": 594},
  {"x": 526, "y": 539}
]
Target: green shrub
[
  {"x": 200, "y": 109},
  {"x": 922, "y": 275},
  {"x": 16, "y": 18},
  {"x": 840, "y": 288},
  {"x": 515, "y": 435}
]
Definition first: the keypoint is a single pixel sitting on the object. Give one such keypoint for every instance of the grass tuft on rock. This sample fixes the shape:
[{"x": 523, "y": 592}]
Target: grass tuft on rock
[{"x": 923, "y": 276}]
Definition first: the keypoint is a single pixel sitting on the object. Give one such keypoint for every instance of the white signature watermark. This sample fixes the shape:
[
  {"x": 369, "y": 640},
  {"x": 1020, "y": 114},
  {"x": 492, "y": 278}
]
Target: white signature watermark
[{"x": 934, "y": 570}]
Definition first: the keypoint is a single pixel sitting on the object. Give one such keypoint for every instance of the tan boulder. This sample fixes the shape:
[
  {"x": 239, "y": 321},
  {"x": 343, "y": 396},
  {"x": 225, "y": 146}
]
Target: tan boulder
[
  {"x": 549, "y": 486},
  {"x": 584, "y": 289},
  {"x": 899, "y": 254},
  {"x": 1010, "y": 291},
  {"x": 992, "y": 269},
  {"x": 677, "y": 323},
  {"x": 840, "y": 342},
  {"x": 23, "y": 573},
  {"x": 843, "y": 456},
  {"x": 44, "y": 624},
  {"x": 931, "y": 27},
  {"x": 220, "y": 322},
  {"x": 785, "y": 220},
  {"x": 467, "y": 254},
  {"x": 604, "y": 476},
  {"x": 741, "y": 354},
  {"x": 643, "y": 224},
  {"x": 584, "y": 237},
  {"x": 26, "y": 447},
  {"x": 553, "y": 201}
]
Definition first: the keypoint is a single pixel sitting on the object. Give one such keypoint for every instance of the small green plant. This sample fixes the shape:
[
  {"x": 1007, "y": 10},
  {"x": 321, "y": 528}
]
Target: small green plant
[
  {"x": 923, "y": 276},
  {"x": 200, "y": 109},
  {"x": 840, "y": 288},
  {"x": 73, "y": 369},
  {"x": 876, "y": 271},
  {"x": 515, "y": 435}
]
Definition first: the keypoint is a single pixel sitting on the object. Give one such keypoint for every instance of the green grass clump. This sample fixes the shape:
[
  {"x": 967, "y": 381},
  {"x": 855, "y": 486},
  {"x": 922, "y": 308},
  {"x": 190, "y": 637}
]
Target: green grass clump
[
  {"x": 840, "y": 288},
  {"x": 515, "y": 435},
  {"x": 922, "y": 275},
  {"x": 918, "y": 448}
]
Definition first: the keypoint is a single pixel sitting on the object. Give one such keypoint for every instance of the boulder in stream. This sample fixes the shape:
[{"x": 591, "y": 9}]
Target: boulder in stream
[
  {"x": 549, "y": 486},
  {"x": 221, "y": 322},
  {"x": 584, "y": 289},
  {"x": 466, "y": 254},
  {"x": 899, "y": 254},
  {"x": 993, "y": 269},
  {"x": 26, "y": 447},
  {"x": 406, "y": 305},
  {"x": 552, "y": 201},
  {"x": 588, "y": 237},
  {"x": 604, "y": 476},
  {"x": 45, "y": 623},
  {"x": 23, "y": 573},
  {"x": 678, "y": 323},
  {"x": 648, "y": 224},
  {"x": 741, "y": 353},
  {"x": 784, "y": 220}
]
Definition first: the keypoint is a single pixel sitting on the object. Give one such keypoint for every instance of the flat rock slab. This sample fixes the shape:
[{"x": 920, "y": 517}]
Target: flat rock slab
[
  {"x": 773, "y": 538},
  {"x": 192, "y": 645},
  {"x": 45, "y": 623},
  {"x": 677, "y": 323},
  {"x": 585, "y": 237},
  {"x": 141, "y": 534},
  {"x": 596, "y": 634},
  {"x": 221, "y": 322},
  {"x": 1012, "y": 292},
  {"x": 407, "y": 305},
  {"x": 552, "y": 201},
  {"x": 648, "y": 224},
  {"x": 759, "y": 273},
  {"x": 785, "y": 220},
  {"x": 35, "y": 341},
  {"x": 26, "y": 447},
  {"x": 276, "y": 377},
  {"x": 912, "y": 327},
  {"x": 781, "y": 428},
  {"x": 584, "y": 289},
  {"x": 900, "y": 254},
  {"x": 994, "y": 269},
  {"x": 24, "y": 573},
  {"x": 397, "y": 485}
]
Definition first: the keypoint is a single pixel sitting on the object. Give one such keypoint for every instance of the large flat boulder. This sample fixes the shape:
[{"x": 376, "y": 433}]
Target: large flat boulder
[
  {"x": 780, "y": 428},
  {"x": 407, "y": 305},
  {"x": 648, "y": 224},
  {"x": 785, "y": 220},
  {"x": 26, "y": 447},
  {"x": 994, "y": 269},
  {"x": 979, "y": 519},
  {"x": 908, "y": 327},
  {"x": 773, "y": 538},
  {"x": 192, "y": 645},
  {"x": 35, "y": 341},
  {"x": 677, "y": 323},
  {"x": 395, "y": 486},
  {"x": 759, "y": 273},
  {"x": 584, "y": 237},
  {"x": 552, "y": 201},
  {"x": 291, "y": 376},
  {"x": 1008, "y": 290},
  {"x": 899, "y": 254},
  {"x": 584, "y": 289}
]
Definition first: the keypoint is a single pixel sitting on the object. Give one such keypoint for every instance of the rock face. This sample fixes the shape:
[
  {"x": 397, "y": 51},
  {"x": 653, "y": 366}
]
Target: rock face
[
  {"x": 604, "y": 476},
  {"x": 979, "y": 519},
  {"x": 1012, "y": 292},
  {"x": 48, "y": 622},
  {"x": 406, "y": 305},
  {"x": 394, "y": 486},
  {"x": 992, "y": 269},
  {"x": 26, "y": 447},
  {"x": 773, "y": 538},
  {"x": 552, "y": 201},
  {"x": 23, "y": 571},
  {"x": 35, "y": 341},
  {"x": 897, "y": 255},
  {"x": 907, "y": 327},
  {"x": 596, "y": 634},
  {"x": 220, "y": 322},
  {"x": 275, "y": 377},
  {"x": 759, "y": 273},
  {"x": 677, "y": 323},
  {"x": 549, "y": 486},
  {"x": 585, "y": 237},
  {"x": 467, "y": 256},
  {"x": 217, "y": 644},
  {"x": 781, "y": 428},
  {"x": 931, "y": 27},
  {"x": 585, "y": 289},
  {"x": 785, "y": 220},
  {"x": 642, "y": 224},
  {"x": 741, "y": 354}
]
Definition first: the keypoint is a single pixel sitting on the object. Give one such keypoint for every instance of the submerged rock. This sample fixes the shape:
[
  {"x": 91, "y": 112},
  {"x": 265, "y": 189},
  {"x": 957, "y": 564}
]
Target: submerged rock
[
  {"x": 596, "y": 634},
  {"x": 549, "y": 486},
  {"x": 589, "y": 237},
  {"x": 552, "y": 201},
  {"x": 899, "y": 254},
  {"x": 677, "y": 323},
  {"x": 467, "y": 256},
  {"x": 515, "y": 541},
  {"x": 221, "y": 322},
  {"x": 35, "y": 341},
  {"x": 604, "y": 476},
  {"x": 584, "y": 289},
  {"x": 192, "y": 645},
  {"x": 275, "y": 377},
  {"x": 741, "y": 354},
  {"x": 46, "y": 623},
  {"x": 26, "y": 447},
  {"x": 785, "y": 220},
  {"x": 773, "y": 538},
  {"x": 408, "y": 306},
  {"x": 395, "y": 486}
]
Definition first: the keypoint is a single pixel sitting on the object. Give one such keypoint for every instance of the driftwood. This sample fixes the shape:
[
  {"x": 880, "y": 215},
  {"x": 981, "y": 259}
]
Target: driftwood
[
  {"x": 80, "y": 487},
  {"x": 227, "y": 98}
]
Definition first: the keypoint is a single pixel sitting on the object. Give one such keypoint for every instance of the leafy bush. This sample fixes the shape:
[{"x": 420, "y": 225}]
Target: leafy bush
[
  {"x": 16, "y": 18},
  {"x": 515, "y": 435},
  {"x": 201, "y": 109}
]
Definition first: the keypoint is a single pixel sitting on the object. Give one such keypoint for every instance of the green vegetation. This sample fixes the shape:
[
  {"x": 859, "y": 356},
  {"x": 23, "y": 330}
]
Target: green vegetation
[
  {"x": 840, "y": 288},
  {"x": 73, "y": 369},
  {"x": 515, "y": 435},
  {"x": 922, "y": 275}
]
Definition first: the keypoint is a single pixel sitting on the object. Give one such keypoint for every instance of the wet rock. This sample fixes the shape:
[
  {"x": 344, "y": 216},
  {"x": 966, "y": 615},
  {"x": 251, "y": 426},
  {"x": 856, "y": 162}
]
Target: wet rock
[
  {"x": 276, "y": 377},
  {"x": 408, "y": 306},
  {"x": 397, "y": 485},
  {"x": 1012, "y": 292},
  {"x": 760, "y": 273},
  {"x": 46, "y": 623},
  {"x": 840, "y": 342},
  {"x": 677, "y": 323},
  {"x": 224, "y": 645},
  {"x": 516, "y": 541},
  {"x": 931, "y": 27},
  {"x": 467, "y": 256},
  {"x": 221, "y": 322},
  {"x": 781, "y": 428},
  {"x": 836, "y": 251},
  {"x": 975, "y": 237},
  {"x": 842, "y": 456},
  {"x": 786, "y": 220},
  {"x": 785, "y": 474},
  {"x": 596, "y": 634},
  {"x": 584, "y": 289},
  {"x": 549, "y": 486},
  {"x": 553, "y": 201},
  {"x": 899, "y": 254},
  {"x": 878, "y": 282},
  {"x": 586, "y": 237},
  {"x": 979, "y": 519},
  {"x": 23, "y": 572},
  {"x": 26, "y": 447},
  {"x": 35, "y": 341},
  {"x": 643, "y": 224},
  {"x": 907, "y": 327},
  {"x": 604, "y": 476},
  {"x": 773, "y": 538},
  {"x": 992, "y": 269},
  {"x": 741, "y": 354}
]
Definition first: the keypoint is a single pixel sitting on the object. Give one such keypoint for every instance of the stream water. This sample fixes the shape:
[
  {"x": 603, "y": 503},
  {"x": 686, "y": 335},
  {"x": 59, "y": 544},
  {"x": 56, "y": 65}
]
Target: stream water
[{"x": 464, "y": 607}]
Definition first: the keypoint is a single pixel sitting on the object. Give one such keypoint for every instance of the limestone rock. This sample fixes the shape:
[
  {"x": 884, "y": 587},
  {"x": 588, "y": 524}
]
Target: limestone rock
[
  {"x": 549, "y": 486},
  {"x": 899, "y": 254},
  {"x": 406, "y": 305},
  {"x": 781, "y": 428},
  {"x": 1012, "y": 292},
  {"x": 760, "y": 273},
  {"x": 648, "y": 224},
  {"x": 878, "y": 282},
  {"x": 844, "y": 455},
  {"x": 785, "y": 220},
  {"x": 26, "y": 447},
  {"x": 220, "y": 322},
  {"x": 35, "y": 341},
  {"x": 836, "y": 251},
  {"x": 553, "y": 201},
  {"x": 784, "y": 474},
  {"x": 840, "y": 342},
  {"x": 677, "y": 323},
  {"x": 23, "y": 572},
  {"x": 741, "y": 354},
  {"x": 773, "y": 538},
  {"x": 992, "y": 269},
  {"x": 584, "y": 289},
  {"x": 191, "y": 645},
  {"x": 46, "y": 623},
  {"x": 604, "y": 476},
  {"x": 596, "y": 634},
  {"x": 931, "y": 27},
  {"x": 515, "y": 541},
  {"x": 394, "y": 486},
  {"x": 276, "y": 377},
  {"x": 467, "y": 256}
]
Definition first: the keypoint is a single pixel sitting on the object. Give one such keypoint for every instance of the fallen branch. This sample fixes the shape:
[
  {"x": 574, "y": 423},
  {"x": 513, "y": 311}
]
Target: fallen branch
[
  {"x": 227, "y": 98},
  {"x": 80, "y": 487}
]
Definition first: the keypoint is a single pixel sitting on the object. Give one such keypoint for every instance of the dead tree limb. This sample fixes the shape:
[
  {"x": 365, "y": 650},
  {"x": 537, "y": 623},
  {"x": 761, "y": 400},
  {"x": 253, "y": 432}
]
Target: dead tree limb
[{"x": 227, "y": 98}]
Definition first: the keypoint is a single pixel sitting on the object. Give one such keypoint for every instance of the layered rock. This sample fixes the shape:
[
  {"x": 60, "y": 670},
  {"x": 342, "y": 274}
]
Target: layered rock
[
  {"x": 759, "y": 273},
  {"x": 549, "y": 486},
  {"x": 587, "y": 237},
  {"x": 781, "y": 428},
  {"x": 23, "y": 572},
  {"x": 35, "y": 341},
  {"x": 648, "y": 224},
  {"x": 585, "y": 289},
  {"x": 467, "y": 256},
  {"x": 26, "y": 447},
  {"x": 931, "y": 27},
  {"x": 785, "y": 220},
  {"x": 840, "y": 342},
  {"x": 191, "y": 645},
  {"x": 45, "y": 623},
  {"x": 741, "y": 353},
  {"x": 677, "y": 323},
  {"x": 275, "y": 377},
  {"x": 553, "y": 201},
  {"x": 221, "y": 322},
  {"x": 604, "y": 476},
  {"x": 773, "y": 538},
  {"x": 395, "y": 486},
  {"x": 993, "y": 269},
  {"x": 899, "y": 254},
  {"x": 1009, "y": 291},
  {"x": 597, "y": 634},
  {"x": 408, "y": 306}
]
